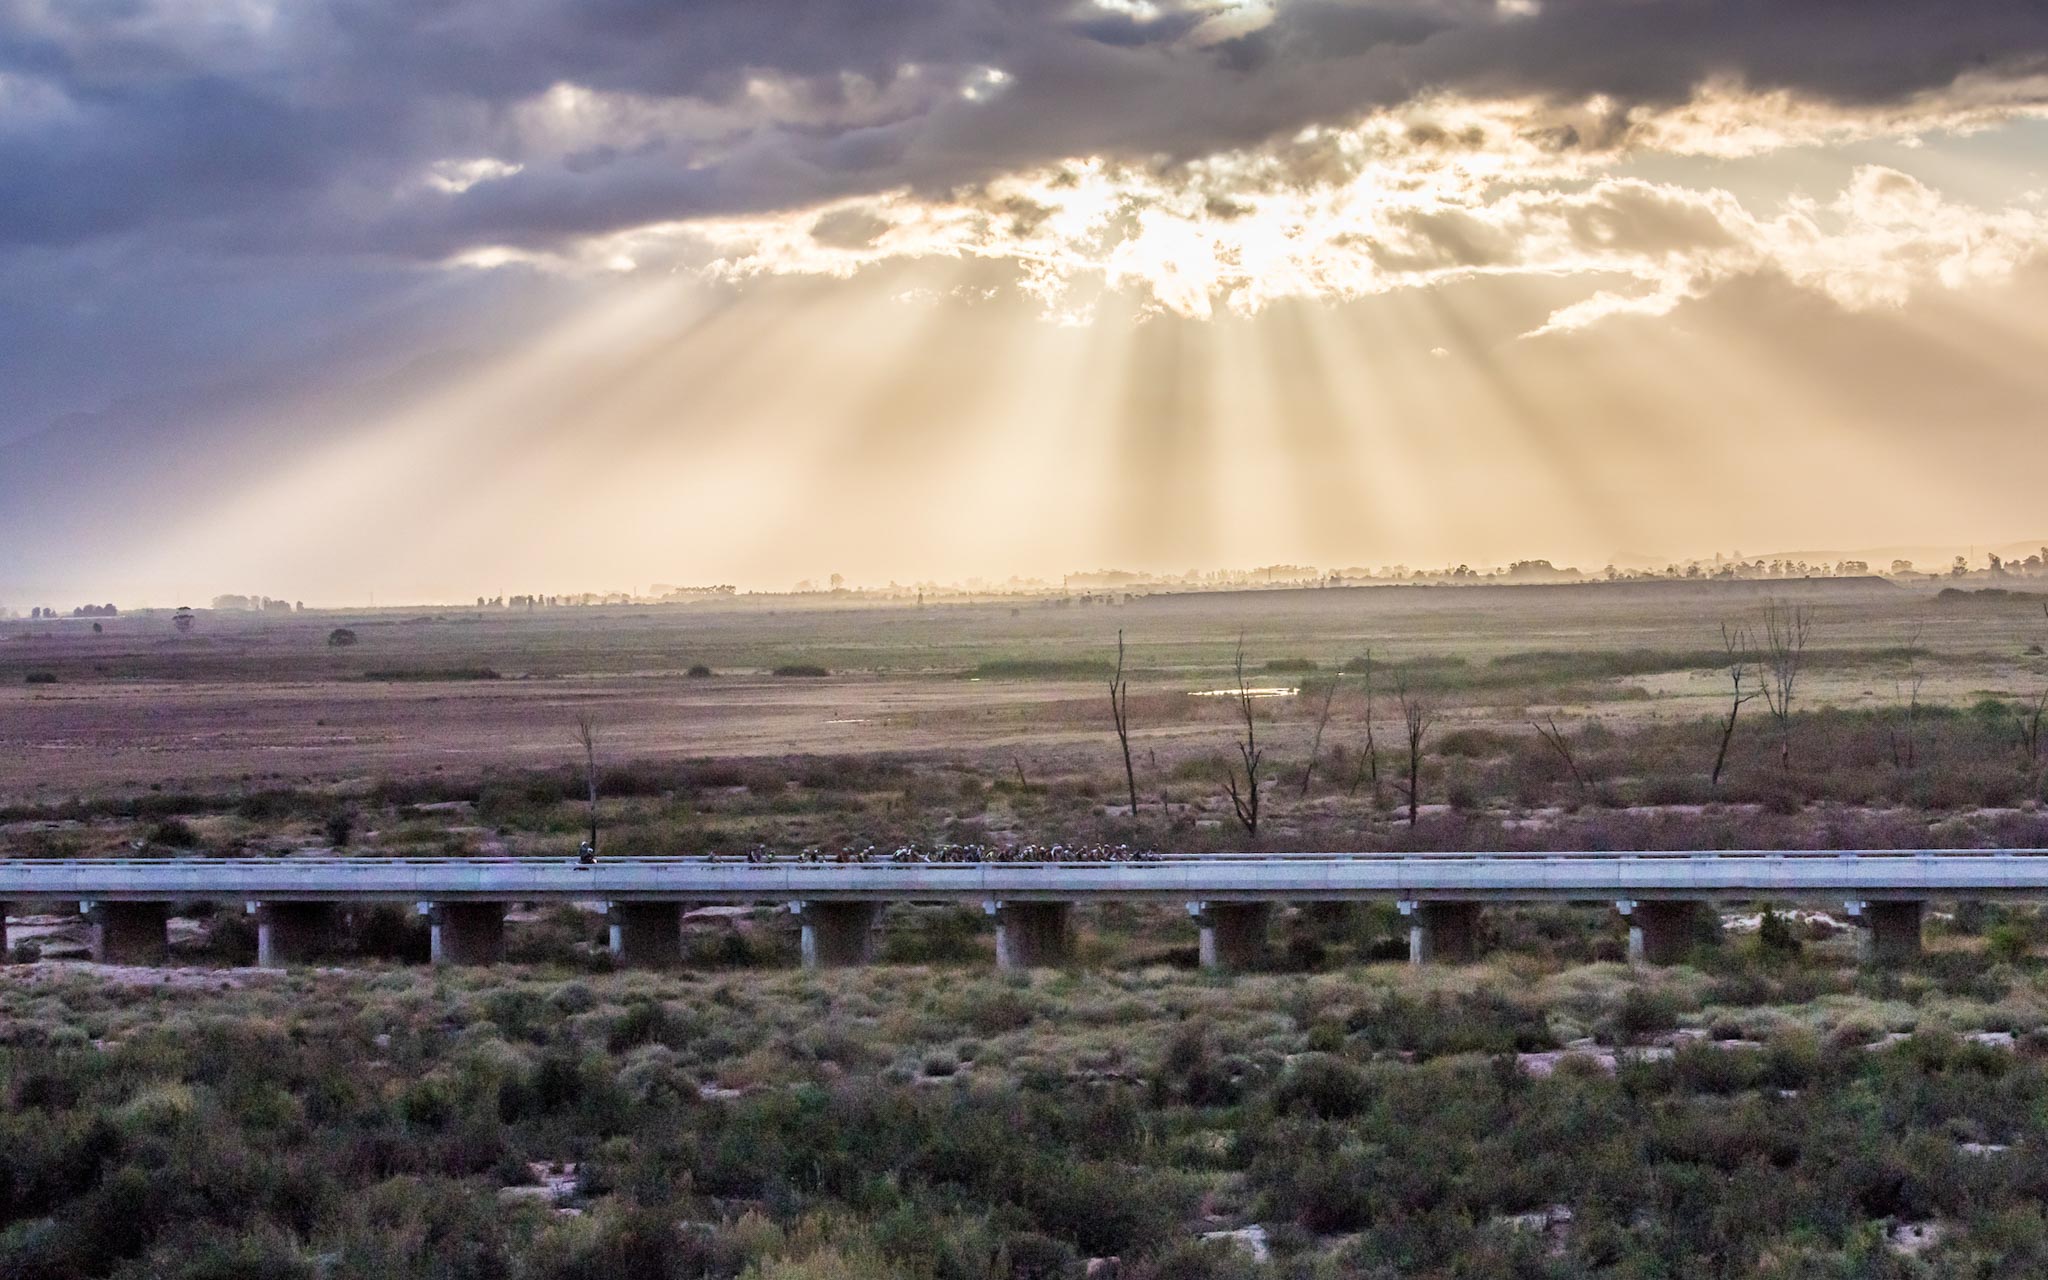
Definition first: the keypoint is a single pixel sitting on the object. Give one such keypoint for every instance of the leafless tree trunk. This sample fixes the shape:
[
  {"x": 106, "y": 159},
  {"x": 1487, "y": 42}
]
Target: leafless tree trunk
[
  {"x": 1315, "y": 746},
  {"x": 586, "y": 737},
  {"x": 1786, "y": 628},
  {"x": 1244, "y": 791},
  {"x": 1120, "y": 711},
  {"x": 1418, "y": 716},
  {"x": 1550, "y": 733},
  {"x": 2031, "y": 720},
  {"x": 1906, "y": 739},
  {"x": 1737, "y": 644},
  {"x": 1369, "y": 756}
]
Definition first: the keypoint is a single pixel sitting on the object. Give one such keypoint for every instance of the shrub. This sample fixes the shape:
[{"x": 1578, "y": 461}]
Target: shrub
[
  {"x": 1038, "y": 1257},
  {"x": 699, "y": 671},
  {"x": 2008, "y": 943},
  {"x": 801, "y": 670},
  {"x": 40, "y": 677},
  {"x": 174, "y": 833},
  {"x": 1775, "y": 935},
  {"x": 1042, "y": 669},
  {"x": 1283, "y": 665},
  {"x": 1324, "y": 1086},
  {"x": 340, "y": 826},
  {"x": 340, "y": 638}
]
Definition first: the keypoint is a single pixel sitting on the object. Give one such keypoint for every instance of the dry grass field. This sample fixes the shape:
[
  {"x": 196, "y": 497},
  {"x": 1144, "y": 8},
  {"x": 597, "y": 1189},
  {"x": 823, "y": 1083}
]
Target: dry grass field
[{"x": 991, "y": 720}]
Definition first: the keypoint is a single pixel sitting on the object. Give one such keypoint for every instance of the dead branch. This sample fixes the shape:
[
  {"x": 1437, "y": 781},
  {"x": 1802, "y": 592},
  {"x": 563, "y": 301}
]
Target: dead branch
[
  {"x": 1243, "y": 788},
  {"x": 1418, "y": 716},
  {"x": 1740, "y": 656},
  {"x": 586, "y": 737},
  {"x": 1315, "y": 746},
  {"x": 1906, "y": 741},
  {"x": 1786, "y": 629},
  {"x": 1120, "y": 712},
  {"x": 1369, "y": 757},
  {"x": 2030, "y": 722},
  {"x": 1550, "y": 733}
]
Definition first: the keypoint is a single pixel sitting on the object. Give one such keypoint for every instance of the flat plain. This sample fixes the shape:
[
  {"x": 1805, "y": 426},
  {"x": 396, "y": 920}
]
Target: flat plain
[{"x": 253, "y": 696}]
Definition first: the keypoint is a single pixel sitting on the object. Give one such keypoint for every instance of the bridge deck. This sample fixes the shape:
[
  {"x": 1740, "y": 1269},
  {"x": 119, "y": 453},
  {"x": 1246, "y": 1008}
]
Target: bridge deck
[{"x": 1862, "y": 874}]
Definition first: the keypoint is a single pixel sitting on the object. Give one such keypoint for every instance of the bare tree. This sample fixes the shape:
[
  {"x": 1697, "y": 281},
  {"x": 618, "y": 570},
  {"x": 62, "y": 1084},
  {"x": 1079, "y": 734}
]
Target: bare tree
[
  {"x": 586, "y": 737},
  {"x": 1551, "y": 734},
  {"x": 1737, "y": 645},
  {"x": 1905, "y": 735},
  {"x": 1369, "y": 754},
  {"x": 1786, "y": 628},
  {"x": 1418, "y": 717},
  {"x": 1315, "y": 746},
  {"x": 1120, "y": 712},
  {"x": 2030, "y": 721},
  {"x": 1244, "y": 790}
]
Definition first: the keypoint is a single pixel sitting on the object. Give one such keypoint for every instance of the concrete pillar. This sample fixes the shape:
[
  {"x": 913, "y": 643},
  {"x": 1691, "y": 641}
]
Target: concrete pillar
[
  {"x": 1033, "y": 935},
  {"x": 467, "y": 932},
  {"x": 838, "y": 934},
  {"x": 1890, "y": 932},
  {"x": 129, "y": 932},
  {"x": 647, "y": 935},
  {"x": 292, "y": 932},
  {"x": 1659, "y": 932},
  {"x": 1442, "y": 931},
  {"x": 1233, "y": 933}
]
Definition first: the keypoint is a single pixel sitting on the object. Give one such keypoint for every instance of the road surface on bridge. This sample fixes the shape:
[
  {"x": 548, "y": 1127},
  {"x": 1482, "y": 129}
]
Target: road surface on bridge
[{"x": 1498, "y": 877}]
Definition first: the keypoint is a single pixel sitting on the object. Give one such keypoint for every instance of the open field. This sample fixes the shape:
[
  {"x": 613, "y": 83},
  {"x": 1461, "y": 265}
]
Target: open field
[
  {"x": 991, "y": 721},
  {"x": 254, "y": 696}
]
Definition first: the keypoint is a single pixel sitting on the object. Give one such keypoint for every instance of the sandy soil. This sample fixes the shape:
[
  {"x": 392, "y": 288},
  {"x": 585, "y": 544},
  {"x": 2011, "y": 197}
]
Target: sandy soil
[{"x": 128, "y": 736}]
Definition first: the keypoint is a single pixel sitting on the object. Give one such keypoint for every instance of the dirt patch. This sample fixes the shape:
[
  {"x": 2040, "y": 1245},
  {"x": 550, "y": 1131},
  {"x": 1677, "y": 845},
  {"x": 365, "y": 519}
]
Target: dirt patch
[{"x": 177, "y": 977}]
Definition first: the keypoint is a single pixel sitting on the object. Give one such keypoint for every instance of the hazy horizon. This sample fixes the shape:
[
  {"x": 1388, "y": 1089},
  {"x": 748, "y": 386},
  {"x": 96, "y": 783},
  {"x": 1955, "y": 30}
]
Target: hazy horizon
[{"x": 1925, "y": 559}]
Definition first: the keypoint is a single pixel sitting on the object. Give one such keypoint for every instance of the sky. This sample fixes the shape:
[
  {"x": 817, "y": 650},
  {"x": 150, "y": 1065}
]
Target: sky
[{"x": 428, "y": 299}]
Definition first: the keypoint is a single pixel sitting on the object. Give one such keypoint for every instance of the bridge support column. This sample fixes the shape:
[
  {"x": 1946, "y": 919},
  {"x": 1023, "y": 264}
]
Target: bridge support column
[
  {"x": 1033, "y": 935},
  {"x": 1233, "y": 933},
  {"x": 647, "y": 935},
  {"x": 838, "y": 935},
  {"x": 1890, "y": 932},
  {"x": 466, "y": 932},
  {"x": 292, "y": 932},
  {"x": 1442, "y": 931},
  {"x": 129, "y": 932},
  {"x": 1659, "y": 932}
]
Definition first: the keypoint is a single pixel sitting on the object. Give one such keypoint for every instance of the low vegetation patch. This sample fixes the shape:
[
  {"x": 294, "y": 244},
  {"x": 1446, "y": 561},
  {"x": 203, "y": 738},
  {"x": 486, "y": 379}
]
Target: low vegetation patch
[
  {"x": 1772, "y": 1117},
  {"x": 433, "y": 673},
  {"x": 1042, "y": 669}
]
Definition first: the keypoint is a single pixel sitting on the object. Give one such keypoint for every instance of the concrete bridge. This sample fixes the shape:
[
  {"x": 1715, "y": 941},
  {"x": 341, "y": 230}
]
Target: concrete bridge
[{"x": 295, "y": 900}]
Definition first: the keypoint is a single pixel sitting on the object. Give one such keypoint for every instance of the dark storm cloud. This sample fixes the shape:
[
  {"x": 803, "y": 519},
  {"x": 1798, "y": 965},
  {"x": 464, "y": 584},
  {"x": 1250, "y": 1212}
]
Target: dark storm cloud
[{"x": 309, "y": 127}]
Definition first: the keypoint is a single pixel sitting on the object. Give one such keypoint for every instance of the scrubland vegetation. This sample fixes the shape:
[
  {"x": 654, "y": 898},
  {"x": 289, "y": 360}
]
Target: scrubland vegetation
[
  {"x": 1638, "y": 784},
  {"x": 1762, "y": 1113}
]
